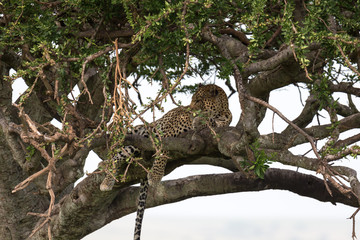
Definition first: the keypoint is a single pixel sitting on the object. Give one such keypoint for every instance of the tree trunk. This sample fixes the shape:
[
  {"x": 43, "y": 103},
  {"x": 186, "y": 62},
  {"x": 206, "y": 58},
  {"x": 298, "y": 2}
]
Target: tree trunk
[{"x": 14, "y": 207}]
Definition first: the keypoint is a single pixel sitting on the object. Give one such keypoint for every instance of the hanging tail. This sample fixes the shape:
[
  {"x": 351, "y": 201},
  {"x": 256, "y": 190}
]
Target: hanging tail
[{"x": 144, "y": 186}]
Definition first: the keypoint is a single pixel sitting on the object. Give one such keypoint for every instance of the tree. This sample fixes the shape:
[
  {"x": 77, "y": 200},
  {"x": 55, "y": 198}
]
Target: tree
[{"x": 106, "y": 47}]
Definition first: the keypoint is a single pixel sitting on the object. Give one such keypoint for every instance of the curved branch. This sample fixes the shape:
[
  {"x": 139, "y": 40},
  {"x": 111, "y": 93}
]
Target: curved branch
[
  {"x": 287, "y": 140},
  {"x": 345, "y": 88},
  {"x": 281, "y": 73},
  {"x": 95, "y": 212},
  {"x": 192, "y": 144},
  {"x": 182, "y": 145},
  {"x": 269, "y": 63},
  {"x": 233, "y": 46},
  {"x": 238, "y": 34},
  {"x": 287, "y": 158},
  {"x": 276, "y": 78},
  {"x": 324, "y": 131}
]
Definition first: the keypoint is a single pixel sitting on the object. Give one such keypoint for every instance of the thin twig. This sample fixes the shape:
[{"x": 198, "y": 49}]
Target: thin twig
[
  {"x": 347, "y": 60},
  {"x": 21, "y": 13},
  {"x": 273, "y": 128},
  {"x": 101, "y": 122},
  {"x": 87, "y": 60},
  {"x": 186, "y": 67},
  {"x": 95, "y": 32},
  {"x": 353, "y": 220}
]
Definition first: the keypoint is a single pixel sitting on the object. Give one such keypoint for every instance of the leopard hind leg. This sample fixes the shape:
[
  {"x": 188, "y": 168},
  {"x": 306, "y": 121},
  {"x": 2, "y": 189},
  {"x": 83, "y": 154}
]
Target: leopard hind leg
[{"x": 114, "y": 166}]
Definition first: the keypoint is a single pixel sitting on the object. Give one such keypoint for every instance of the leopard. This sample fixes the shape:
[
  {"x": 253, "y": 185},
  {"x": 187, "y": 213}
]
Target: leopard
[{"x": 209, "y": 108}]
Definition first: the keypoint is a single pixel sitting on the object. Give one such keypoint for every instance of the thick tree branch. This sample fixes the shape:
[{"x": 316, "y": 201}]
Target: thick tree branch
[
  {"x": 228, "y": 141},
  {"x": 12, "y": 156},
  {"x": 345, "y": 88},
  {"x": 234, "y": 47},
  {"x": 270, "y": 63},
  {"x": 290, "y": 138},
  {"x": 281, "y": 70},
  {"x": 239, "y": 35},
  {"x": 287, "y": 158},
  {"x": 276, "y": 78},
  {"x": 95, "y": 213},
  {"x": 324, "y": 131}
]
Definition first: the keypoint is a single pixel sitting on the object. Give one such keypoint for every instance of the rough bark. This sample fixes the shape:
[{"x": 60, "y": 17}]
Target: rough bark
[
  {"x": 93, "y": 209},
  {"x": 14, "y": 208}
]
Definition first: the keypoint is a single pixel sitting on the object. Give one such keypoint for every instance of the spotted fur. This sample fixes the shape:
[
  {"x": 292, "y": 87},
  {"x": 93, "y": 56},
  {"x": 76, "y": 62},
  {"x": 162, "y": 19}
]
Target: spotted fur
[
  {"x": 209, "y": 107},
  {"x": 144, "y": 186}
]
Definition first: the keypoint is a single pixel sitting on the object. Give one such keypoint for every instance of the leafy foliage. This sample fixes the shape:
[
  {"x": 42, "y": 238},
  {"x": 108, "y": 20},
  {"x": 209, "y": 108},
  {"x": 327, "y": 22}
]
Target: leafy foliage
[{"x": 261, "y": 161}]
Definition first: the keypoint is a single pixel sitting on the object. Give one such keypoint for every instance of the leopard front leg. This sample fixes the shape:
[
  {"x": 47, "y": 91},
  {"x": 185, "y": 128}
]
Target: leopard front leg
[{"x": 158, "y": 170}]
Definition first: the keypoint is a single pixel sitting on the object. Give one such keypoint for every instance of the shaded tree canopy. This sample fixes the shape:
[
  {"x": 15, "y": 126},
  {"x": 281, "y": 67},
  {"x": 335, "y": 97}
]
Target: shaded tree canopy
[{"x": 107, "y": 48}]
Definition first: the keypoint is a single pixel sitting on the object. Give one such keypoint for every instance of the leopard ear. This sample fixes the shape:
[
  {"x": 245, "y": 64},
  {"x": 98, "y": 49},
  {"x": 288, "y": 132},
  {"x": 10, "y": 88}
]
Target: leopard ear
[{"x": 215, "y": 92}]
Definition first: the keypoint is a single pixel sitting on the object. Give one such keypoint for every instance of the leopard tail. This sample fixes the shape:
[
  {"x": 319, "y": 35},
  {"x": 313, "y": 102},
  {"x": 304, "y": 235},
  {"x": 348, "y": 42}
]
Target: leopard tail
[{"x": 144, "y": 186}]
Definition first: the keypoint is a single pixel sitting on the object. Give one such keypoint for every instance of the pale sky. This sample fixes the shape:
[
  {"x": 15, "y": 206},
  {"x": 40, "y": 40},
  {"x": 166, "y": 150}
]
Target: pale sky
[{"x": 270, "y": 215}]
